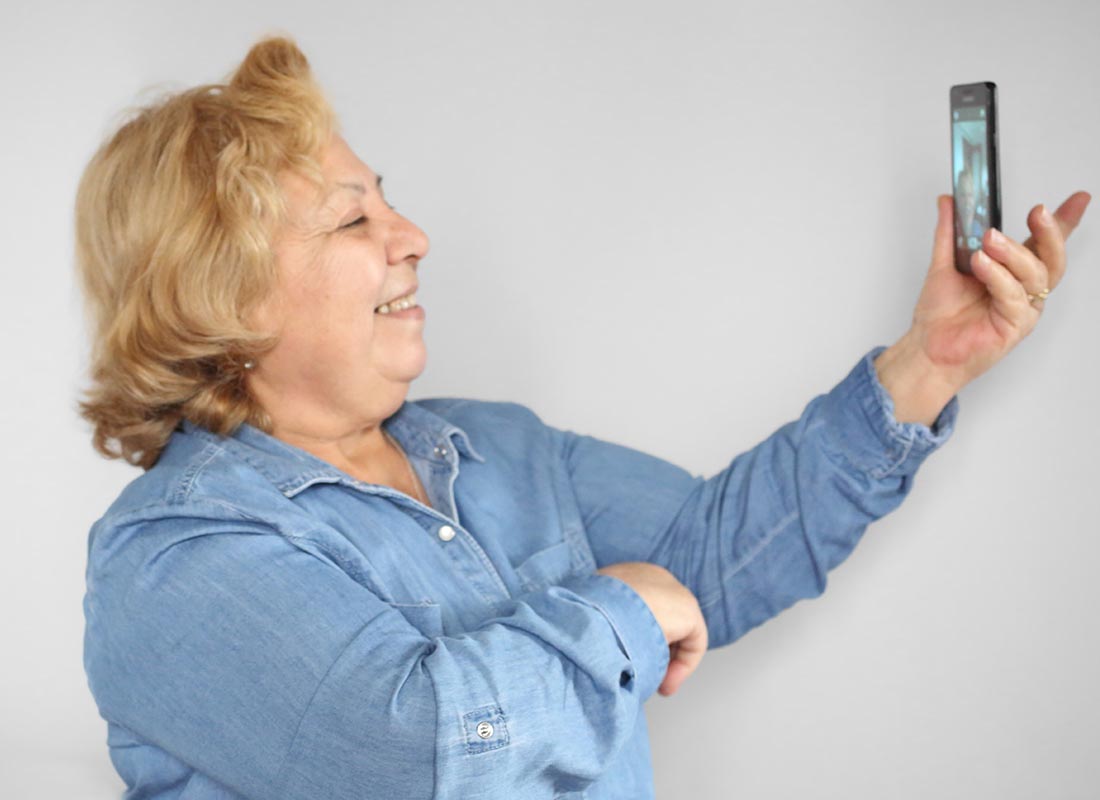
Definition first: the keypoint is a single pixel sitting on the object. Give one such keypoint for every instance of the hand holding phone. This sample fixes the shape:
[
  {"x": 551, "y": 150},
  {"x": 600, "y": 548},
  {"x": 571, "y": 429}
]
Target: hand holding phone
[{"x": 974, "y": 167}]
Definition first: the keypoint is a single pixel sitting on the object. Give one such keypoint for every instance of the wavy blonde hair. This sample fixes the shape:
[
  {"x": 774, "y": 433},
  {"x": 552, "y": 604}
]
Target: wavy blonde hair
[{"x": 175, "y": 217}]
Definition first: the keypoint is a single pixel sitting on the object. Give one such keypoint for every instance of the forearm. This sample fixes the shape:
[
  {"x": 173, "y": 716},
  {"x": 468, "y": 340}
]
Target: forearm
[{"x": 765, "y": 532}]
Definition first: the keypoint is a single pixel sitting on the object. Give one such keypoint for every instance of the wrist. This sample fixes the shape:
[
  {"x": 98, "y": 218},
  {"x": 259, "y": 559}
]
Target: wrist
[{"x": 918, "y": 388}]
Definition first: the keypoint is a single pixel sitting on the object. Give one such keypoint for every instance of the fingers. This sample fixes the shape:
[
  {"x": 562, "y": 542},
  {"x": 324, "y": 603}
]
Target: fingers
[
  {"x": 1049, "y": 233},
  {"x": 1047, "y": 243},
  {"x": 684, "y": 656},
  {"x": 1025, "y": 266},
  {"x": 674, "y": 675},
  {"x": 1070, "y": 212},
  {"x": 1009, "y": 295}
]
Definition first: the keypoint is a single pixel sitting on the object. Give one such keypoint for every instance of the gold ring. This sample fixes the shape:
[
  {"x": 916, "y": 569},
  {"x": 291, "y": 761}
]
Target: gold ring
[{"x": 1031, "y": 298}]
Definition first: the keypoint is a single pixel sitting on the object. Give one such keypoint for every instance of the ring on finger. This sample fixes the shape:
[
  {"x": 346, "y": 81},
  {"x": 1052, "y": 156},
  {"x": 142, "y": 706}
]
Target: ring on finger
[{"x": 1031, "y": 298}]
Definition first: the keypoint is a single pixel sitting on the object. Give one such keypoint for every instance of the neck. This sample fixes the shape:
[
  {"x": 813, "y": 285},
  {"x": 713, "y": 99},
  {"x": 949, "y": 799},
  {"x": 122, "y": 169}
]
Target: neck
[{"x": 348, "y": 437}]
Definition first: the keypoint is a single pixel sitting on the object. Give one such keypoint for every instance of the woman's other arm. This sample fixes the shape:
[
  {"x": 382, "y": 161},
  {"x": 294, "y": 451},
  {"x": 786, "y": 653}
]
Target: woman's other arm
[{"x": 257, "y": 659}]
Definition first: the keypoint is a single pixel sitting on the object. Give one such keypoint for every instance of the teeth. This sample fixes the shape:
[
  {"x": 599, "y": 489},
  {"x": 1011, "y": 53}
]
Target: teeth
[{"x": 400, "y": 304}]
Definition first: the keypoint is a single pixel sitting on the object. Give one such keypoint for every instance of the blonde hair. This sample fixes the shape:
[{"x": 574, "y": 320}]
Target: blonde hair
[{"x": 175, "y": 216}]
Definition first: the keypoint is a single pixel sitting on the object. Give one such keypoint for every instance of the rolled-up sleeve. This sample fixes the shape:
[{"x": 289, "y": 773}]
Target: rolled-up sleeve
[
  {"x": 764, "y": 532},
  {"x": 258, "y": 660}
]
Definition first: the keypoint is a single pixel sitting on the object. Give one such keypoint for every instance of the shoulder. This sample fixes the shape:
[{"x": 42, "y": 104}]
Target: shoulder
[
  {"x": 201, "y": 477},
  {"x": 201, "y": 499}
]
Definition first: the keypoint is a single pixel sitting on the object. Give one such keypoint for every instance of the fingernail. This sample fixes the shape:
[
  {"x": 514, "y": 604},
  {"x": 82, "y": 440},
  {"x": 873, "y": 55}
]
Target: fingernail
[
  {"x": 996, "y": 236},
  {"x": 1044, "y": 214}
]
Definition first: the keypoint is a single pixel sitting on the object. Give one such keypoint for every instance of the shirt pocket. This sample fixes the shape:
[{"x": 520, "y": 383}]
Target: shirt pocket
[
  {"x": 546, "y": 567},
  {"x": 425, "y": 617}
]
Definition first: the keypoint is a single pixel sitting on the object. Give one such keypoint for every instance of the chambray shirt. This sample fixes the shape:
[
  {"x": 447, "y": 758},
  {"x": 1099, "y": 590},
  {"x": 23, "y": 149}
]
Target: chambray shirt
[{"x": 260, "y": 624}]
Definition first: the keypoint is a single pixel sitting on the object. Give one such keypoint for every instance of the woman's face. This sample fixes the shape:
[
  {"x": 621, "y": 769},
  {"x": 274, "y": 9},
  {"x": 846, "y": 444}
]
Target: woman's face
[
  {"x": 343, "y": 253},
  {"x": 966, "y": 198}
]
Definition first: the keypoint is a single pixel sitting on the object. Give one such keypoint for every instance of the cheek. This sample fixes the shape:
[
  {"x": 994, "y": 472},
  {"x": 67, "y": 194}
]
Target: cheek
[
  {"x": 342, "y": 290},
  {"x": 332, "y": 299},
  {"x": 346, "y": 317},
  {"x": 326, "y": 321}
]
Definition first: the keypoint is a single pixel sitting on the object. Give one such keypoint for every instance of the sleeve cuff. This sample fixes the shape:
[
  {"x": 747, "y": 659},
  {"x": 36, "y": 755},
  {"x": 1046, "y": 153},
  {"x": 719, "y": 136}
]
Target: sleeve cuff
[
  {"x": 639, "y": 634},
  {"x": 868, "y": 435}
]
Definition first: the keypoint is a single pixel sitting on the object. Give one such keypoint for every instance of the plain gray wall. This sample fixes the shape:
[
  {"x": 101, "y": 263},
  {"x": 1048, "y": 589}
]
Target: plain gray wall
[{"x": 670, "y": 226}]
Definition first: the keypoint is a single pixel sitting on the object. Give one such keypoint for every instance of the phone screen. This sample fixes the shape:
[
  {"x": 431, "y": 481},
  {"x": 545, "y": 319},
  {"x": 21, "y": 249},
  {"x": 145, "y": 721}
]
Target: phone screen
[{"x": 974, "y": 167}]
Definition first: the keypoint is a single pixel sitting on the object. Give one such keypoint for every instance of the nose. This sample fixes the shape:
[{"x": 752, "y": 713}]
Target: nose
[{"x": 406, "y": 240}]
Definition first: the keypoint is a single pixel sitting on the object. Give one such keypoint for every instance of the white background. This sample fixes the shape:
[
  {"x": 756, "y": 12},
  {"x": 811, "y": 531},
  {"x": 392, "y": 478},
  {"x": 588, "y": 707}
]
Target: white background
[{"x": 670, "y": 226}]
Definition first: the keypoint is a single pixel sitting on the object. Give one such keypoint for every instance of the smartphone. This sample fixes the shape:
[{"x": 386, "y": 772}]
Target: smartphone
[{"x": 975, "y": 167}]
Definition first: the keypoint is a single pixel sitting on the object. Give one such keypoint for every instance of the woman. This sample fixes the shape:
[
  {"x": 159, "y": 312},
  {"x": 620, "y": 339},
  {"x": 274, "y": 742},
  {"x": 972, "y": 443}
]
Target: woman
[{"x": 320, "y": 589}]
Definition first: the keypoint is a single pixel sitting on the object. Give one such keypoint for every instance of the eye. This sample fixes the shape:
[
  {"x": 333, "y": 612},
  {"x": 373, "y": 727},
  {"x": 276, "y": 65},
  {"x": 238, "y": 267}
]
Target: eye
[{"x": 357, "y": 222}]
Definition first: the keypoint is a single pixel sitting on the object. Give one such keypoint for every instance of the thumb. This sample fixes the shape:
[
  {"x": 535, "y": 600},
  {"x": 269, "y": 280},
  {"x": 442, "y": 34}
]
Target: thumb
[{"x": 943, "y": 246}]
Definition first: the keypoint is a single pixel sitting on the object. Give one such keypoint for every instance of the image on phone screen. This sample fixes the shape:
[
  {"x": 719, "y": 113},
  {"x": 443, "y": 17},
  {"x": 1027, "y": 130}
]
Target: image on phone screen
[{"x": 971, "y": 168}]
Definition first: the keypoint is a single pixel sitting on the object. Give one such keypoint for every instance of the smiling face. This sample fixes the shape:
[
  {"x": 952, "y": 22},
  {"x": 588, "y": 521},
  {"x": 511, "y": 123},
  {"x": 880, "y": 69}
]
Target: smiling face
[
  {"x": 339, "y": 364},
  {"x": 966, "y": 197}
]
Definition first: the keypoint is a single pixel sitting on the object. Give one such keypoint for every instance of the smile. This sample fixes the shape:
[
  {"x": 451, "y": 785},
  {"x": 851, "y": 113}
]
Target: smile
[{"x": 400, "y": 304}]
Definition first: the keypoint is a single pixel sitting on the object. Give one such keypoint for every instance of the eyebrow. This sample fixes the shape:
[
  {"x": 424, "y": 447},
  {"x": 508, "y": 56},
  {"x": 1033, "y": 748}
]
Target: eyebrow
[{"x": 358, "y": 187}]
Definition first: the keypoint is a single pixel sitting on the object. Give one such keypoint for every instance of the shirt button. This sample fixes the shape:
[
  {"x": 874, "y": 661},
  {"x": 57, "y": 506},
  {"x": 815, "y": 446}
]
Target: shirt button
[
  {"x": 446, "y": 533},
  {"x": 484, "y": 730}
]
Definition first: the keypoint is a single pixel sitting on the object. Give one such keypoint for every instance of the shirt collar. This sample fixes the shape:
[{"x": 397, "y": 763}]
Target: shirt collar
[{"x": 420, "y": 432}]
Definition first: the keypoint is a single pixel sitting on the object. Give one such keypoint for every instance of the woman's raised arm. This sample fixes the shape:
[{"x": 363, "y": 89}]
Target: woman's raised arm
[{"x": 764, "y": 532}]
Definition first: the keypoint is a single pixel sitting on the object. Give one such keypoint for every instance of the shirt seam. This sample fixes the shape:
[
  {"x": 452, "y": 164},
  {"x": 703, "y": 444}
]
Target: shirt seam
[
  {"x": 194, "y": 471},
  {"x": 284, "y": 764},
  {"x": 135, "y": 514},
  {"x": 745, "y": 560}
]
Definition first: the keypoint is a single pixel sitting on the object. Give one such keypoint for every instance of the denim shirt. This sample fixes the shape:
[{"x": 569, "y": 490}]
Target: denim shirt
[{"x": 261, "y": 624}]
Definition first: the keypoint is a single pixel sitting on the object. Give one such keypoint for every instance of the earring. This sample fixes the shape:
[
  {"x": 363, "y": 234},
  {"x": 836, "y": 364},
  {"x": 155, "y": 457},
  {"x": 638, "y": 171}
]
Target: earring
[{"x": 249, "y": 364}]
